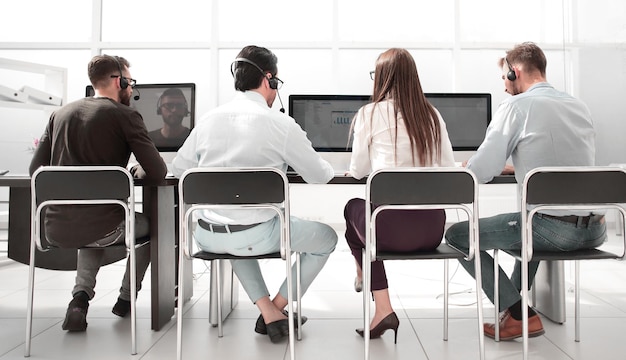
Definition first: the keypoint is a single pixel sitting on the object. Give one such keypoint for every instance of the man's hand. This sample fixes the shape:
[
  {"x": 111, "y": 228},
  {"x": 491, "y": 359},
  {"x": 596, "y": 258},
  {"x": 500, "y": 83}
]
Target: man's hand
[
  {"x": 508, "y": 170},
  {"x": 137, "y": 172}
]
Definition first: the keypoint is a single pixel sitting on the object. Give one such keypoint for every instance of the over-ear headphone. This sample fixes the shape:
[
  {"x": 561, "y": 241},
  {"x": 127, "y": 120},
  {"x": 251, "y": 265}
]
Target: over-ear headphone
[
  {"x": 272, "y": 81},
  {"x": 511, "y": 73},
  {"x": 172, "y": 93},
  {"x": 123, "y": 81}
]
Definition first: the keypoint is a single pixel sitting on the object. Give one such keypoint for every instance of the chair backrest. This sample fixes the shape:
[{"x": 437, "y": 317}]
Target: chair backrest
[
  {"x": 575, "y": 185},
  {"x": 81, "y": 185},
  {"x": 422, "y": 188},
  {"x": 233, "y": 188},
  {"x": 571, "y": 188}
]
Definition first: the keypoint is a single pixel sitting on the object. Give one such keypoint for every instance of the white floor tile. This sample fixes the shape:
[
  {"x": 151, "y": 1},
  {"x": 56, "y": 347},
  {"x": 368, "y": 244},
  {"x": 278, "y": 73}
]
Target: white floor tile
[{"x": 334, "y": 310}]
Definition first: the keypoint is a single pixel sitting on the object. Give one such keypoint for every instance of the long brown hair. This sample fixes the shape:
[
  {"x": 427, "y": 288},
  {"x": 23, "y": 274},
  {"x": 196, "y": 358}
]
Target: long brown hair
[{"x": 396, "y": 79}]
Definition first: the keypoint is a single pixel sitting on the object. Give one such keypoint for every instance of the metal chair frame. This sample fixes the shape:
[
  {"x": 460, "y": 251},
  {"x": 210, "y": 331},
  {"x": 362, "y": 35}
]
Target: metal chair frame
[
  {"x": 81, "y": 185},
  {"x": 564, "y": 188},
  {"x": 422, "y": 188},
  {"x": 238, "y": 189}
]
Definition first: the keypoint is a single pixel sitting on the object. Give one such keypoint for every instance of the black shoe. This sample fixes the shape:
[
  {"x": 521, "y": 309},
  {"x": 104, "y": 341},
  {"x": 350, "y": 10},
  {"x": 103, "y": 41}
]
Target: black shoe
[
  {"x": 261, "y": 328},
  {"x": 278, "y": 330},
  {"x": 76, "y": 316},
  {"x": 121, "y": 308}
]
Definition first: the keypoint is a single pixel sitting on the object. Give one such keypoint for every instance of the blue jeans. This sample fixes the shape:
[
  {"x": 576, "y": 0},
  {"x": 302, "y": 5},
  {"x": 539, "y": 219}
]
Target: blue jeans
[
  {"x": 315, "y": 241},
  {"x": 504, "y": 232}
]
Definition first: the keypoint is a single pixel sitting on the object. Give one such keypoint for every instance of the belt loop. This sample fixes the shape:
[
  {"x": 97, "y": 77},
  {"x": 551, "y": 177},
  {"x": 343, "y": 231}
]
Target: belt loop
[
  {"x": 211, "y": 227},
  {"x": 579, "y": 221},
  {"x": 227, "y": 228}
]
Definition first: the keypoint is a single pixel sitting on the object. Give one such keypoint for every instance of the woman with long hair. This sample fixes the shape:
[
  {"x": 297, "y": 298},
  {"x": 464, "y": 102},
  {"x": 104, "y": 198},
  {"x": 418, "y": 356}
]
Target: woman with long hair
[{"x": 399, "y": 128}]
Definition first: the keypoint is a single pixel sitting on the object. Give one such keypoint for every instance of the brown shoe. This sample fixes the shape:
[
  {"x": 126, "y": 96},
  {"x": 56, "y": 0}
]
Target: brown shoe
[{"x": 512, "y": 329}]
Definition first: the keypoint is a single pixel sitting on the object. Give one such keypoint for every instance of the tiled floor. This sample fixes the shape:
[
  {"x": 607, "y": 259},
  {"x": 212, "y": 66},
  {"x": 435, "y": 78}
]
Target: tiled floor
[{"x": 334, "y": 311}]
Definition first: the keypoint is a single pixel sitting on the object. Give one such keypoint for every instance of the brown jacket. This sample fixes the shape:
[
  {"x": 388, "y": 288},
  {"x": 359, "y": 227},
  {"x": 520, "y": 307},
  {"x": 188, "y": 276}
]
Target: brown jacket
[{"x": 93, "y": 131}]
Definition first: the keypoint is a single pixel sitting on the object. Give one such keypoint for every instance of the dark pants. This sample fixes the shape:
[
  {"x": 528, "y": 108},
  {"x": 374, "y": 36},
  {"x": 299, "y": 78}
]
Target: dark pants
[{"x": 396, "y": 230}]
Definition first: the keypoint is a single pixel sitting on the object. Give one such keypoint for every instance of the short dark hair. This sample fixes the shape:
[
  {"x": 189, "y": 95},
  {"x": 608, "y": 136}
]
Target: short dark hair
[
  {"x": 101, "y": 67},
  {"x": 528, "y": 54},
  {"x": 247, "y": 76}
]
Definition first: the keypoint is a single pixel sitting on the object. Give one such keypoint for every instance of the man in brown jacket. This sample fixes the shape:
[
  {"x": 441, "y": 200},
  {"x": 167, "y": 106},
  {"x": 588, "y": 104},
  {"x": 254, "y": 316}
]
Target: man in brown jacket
[{"x": 99, "y": 130}]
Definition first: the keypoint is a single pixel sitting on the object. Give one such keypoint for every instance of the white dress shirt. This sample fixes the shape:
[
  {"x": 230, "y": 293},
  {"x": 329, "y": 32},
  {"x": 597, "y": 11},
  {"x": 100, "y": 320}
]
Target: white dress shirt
[
  {"x": 245, "y": 132},
  {"x": 373, "y": 145}
]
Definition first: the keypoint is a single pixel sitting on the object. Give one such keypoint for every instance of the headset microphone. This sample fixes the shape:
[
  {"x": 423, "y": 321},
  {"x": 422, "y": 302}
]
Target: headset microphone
[
  {"x": 136, "y": 97},
  {"x": 282, "y": 108}
]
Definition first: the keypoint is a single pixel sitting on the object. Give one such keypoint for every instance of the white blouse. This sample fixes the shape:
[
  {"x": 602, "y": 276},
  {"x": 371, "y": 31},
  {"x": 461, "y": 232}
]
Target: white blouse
[{"x": 373, "y": 149}]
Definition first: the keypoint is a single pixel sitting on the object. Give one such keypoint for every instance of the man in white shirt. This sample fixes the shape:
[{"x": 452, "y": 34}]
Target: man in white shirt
[
  {"x": 537, "y": 126},
  {"x": 246, "y": 133}
]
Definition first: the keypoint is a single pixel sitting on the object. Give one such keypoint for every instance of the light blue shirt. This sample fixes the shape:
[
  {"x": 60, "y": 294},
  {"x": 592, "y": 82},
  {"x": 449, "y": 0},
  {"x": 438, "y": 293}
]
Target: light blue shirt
[
  {"x": 539, "y": 127},
  {"x": 245, "y": 132}
]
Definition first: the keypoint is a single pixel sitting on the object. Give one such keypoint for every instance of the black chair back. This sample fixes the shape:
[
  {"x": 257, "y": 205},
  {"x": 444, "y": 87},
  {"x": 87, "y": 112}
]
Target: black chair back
[
  {"x": 233, "y": 187},
  {"x": 595, "y": 186}
]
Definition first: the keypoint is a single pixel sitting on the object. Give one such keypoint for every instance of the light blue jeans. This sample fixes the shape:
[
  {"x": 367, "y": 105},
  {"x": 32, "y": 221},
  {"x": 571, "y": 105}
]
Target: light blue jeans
[
  {"x": 504, "y": 232},
  {"x": 313, "y": 240}
]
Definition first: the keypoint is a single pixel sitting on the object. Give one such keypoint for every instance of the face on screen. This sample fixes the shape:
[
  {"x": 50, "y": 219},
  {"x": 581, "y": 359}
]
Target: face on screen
[{"x": 173, "y": 109}]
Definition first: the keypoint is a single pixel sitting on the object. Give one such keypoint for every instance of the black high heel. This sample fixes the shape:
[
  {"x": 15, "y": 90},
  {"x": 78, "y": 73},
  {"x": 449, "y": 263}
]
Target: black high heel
[{"x": 390, "y": 321}]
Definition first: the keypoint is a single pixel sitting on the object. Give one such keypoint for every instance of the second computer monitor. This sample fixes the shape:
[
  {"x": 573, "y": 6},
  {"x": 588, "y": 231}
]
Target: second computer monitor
[
  {"x": 327, "y": 118},
  {"x": 164, "y": 105}
]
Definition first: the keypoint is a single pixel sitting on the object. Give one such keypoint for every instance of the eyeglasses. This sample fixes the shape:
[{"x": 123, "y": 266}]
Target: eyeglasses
[
  {"x": 279, "y": 83},
  {"x": 372, "y": 74},
  {"x": 131, "y": 82},
  {"x": 175, "y": 106}
]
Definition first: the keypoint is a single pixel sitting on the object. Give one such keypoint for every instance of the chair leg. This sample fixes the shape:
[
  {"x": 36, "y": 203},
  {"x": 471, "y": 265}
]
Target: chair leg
[
  {"x": 179, "y": 308},
  {"x": 292, "y": 328},
  {"x": 299, "y": 296},
  {"x": 29, "y": 306},
  {"x": 577, "y": 300},
  {"x": 496, "y": 293},
  {"x": 446, "y": 292},
  {"x": 218, "y": 282},
  {"x": 366, "y": 270},
  {"x": 524, "y": 305},
  {"x": 133, "y": 298}
]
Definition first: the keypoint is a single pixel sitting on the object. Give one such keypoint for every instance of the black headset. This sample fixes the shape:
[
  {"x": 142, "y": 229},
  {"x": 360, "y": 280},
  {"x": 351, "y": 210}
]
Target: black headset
[
  {"x": 187, "y": 112},
  {"x": 272, "y": 81},
  {"x": 123, "y": 81},
  {"x": 511, "y": 73}
]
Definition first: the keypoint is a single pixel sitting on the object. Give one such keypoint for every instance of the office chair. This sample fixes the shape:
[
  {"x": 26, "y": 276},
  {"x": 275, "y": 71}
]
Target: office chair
[
  {"x": 564, "y": 188},
  {"x": 422, "y": 188},
  {"x": 82, "y": 185},
  {"x": 235, "y": 189}
]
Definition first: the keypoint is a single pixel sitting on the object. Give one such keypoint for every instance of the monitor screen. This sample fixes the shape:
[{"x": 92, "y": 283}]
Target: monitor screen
[
  {"x": 466, "y": 115},
  {"x": 327, "y": 118},
  {"x": 164, "y": 107}
]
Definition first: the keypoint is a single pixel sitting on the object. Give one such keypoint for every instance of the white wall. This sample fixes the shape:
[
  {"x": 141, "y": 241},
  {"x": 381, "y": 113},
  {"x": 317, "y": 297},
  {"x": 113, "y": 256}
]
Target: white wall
[{"x": 324, "y": 46}]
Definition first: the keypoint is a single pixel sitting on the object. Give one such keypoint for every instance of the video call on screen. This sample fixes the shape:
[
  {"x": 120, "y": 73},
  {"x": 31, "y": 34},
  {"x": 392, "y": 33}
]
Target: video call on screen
[{"x": 148, "y": 99}]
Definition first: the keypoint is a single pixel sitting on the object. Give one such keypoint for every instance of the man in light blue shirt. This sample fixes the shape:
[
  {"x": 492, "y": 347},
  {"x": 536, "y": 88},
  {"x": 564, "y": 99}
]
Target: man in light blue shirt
[
  {"x": 537, "y": 126},
  {"x": 246, "y": 133}
]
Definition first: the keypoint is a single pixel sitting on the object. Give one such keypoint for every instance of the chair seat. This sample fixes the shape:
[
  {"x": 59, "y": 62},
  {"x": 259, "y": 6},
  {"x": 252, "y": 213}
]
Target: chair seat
[
  {"x": 443, "y": 251},
  {"x": 581, "y": 254},
  {"x": 204, "y": 255}
]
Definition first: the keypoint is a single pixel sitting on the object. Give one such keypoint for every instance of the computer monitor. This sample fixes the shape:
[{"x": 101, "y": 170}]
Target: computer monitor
[
  {"x": 327, "y": 118},
  {"x": 466, "y": 115},
  {"x": 155, "y": 102}
]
